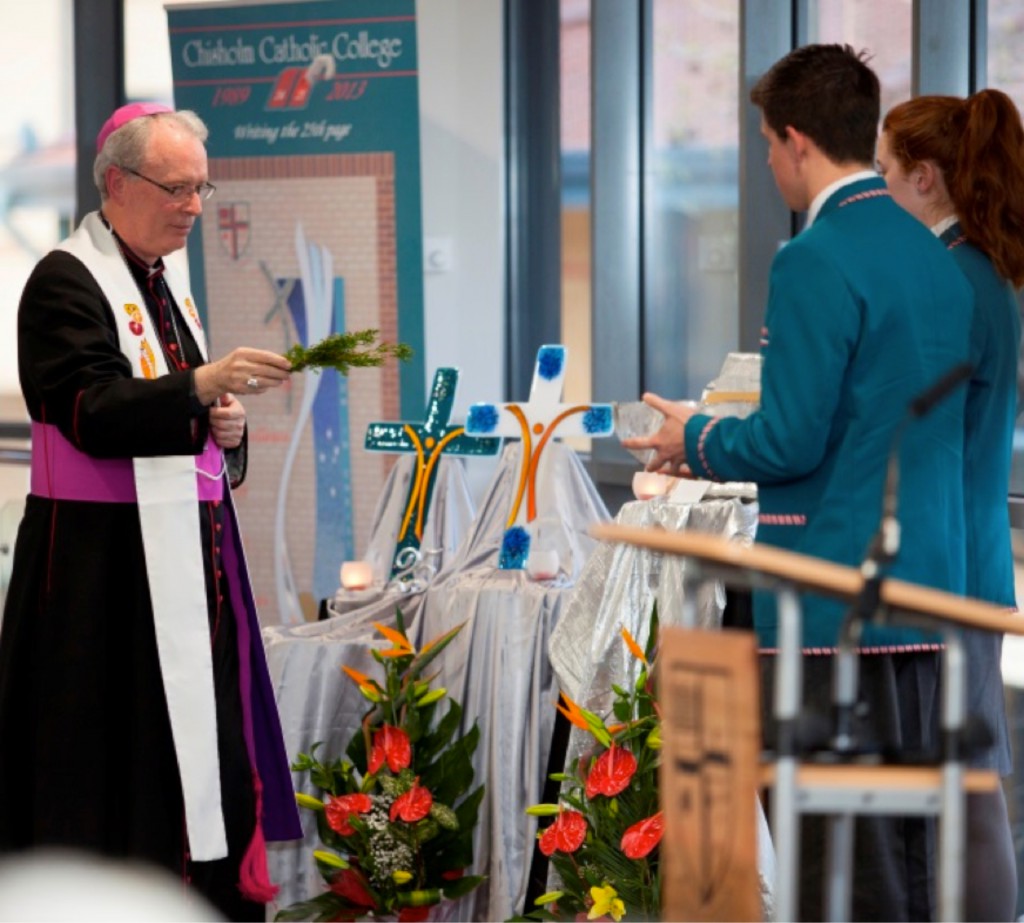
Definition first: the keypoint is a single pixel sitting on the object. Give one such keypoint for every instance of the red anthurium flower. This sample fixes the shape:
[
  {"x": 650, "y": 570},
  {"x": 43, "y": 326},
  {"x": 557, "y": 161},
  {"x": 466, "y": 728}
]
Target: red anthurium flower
[
  {"x": 413, "y": 914},
  {"x": 643, "y": 836},
  {"x": 414, "y": 805},
  {"x": 390, "y": 744},
  {"x": 351, "y": 885},
  {"x": 339, "y": 810},
  {"x": 453, "y": 874},
  {"x": 611, "y": 772},
  {"x": 566, "y": 834}
]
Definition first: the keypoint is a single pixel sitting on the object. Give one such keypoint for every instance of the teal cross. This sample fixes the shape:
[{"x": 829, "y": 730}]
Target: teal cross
[{"x": 430, "y": 440}]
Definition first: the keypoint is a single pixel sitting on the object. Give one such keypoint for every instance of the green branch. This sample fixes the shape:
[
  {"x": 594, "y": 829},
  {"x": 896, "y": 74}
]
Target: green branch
[{"x": 342, "y": 351}]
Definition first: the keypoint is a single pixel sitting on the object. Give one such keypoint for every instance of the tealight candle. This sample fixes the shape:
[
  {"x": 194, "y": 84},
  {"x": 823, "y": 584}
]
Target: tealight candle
[
  {"x": 356, "y": 575},
  {"x": 542, "y": 564},
  {"x": 648, "y": 484}
]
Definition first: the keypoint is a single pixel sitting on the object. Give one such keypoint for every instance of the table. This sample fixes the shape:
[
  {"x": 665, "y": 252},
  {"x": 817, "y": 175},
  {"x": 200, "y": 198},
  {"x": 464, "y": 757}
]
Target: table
[{"x": 498, "y": 669}]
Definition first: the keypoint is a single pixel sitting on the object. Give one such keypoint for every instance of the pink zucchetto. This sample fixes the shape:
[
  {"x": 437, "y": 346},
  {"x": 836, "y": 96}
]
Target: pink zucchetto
[{"x": 124, "y": 115}]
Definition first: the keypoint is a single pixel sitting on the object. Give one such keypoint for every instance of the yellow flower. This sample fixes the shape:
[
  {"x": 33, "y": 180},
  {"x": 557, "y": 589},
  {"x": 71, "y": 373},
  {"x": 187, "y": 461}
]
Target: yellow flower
[
  {"x": 634, "y": 648},
  {"x": 606, "y": 902},
  {"x": 308, "y": 801},
  {"x": 548, "y": 898},
  {"x": 654, "y": 738},
  {"x": 329, "y": 858},
  {"x": 432, "y": 696},
  {"x": 400, "y": 877},
  {"x": 543, "y": 810}
]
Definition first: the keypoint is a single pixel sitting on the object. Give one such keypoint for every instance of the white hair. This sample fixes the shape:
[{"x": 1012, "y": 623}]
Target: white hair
[{"x": 126, "y": 147}]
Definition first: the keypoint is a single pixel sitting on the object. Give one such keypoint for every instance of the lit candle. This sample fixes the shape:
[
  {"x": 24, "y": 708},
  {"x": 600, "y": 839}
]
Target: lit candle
[
  {"x": 542, "y": 564},
  {"x": 356, "y": 575},
  {"x": 648, "y": 484}
]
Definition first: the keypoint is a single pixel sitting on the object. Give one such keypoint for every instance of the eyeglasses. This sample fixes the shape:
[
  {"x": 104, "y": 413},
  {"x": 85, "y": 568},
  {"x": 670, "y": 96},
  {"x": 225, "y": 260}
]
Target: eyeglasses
[{"x": 181, "y": 192}]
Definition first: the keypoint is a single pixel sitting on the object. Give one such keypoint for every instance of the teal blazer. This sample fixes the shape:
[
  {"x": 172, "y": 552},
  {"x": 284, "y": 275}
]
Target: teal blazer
[
  {"x": 990, "y": 420},
  {"x": 866, "y": 310}
]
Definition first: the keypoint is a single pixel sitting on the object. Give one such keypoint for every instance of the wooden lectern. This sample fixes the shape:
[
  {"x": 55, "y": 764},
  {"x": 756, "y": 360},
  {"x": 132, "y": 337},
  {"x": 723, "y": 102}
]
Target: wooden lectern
[{"x": 843, "y": 790}]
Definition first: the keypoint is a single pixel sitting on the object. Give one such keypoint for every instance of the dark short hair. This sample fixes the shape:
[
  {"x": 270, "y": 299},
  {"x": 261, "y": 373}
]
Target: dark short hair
[{"x": 829, "y": 93}]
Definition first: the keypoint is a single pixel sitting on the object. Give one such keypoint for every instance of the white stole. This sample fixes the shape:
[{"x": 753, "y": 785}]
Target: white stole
[{"x": 169, "y": 513}]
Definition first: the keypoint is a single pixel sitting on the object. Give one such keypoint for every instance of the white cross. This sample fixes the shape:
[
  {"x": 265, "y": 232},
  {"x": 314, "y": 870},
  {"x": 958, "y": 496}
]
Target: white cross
[{"x": 542, "y": 418}]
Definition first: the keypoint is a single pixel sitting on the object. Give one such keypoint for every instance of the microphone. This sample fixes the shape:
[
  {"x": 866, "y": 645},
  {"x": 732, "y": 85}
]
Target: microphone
[
  {"x": 882, "y": 550},
  {"x": 888, "y": 539}
]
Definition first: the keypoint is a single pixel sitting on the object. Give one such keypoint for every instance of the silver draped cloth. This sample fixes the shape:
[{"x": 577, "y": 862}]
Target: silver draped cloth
[
  {"x": 315, "y": 699},
  {"x": 445, "y": 527},
  {"x": 617, "y": 589},
  {"x": 497, "y": 667}
]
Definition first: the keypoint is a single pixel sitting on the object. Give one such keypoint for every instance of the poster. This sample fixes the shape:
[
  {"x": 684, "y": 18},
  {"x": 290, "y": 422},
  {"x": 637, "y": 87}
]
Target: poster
[{"x": 315, "y": 227}]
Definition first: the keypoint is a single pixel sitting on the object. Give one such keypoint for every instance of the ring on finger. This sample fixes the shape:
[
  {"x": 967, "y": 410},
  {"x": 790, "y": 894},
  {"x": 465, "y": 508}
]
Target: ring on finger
[{"x": 253, "y": 384}]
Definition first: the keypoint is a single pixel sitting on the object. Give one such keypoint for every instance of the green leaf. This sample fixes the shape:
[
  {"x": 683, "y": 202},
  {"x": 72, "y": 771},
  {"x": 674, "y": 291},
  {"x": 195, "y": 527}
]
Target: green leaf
[
  {"x": 462, "y": 886},
  {"x": 424, "y": 830},
  {"x": 439, "y": 644},
  {"x": 324, "y": 906},
  {"x": 433, "y": 743},
  {"x": 452, "y": 773},
  {"x": 652, "y": 636}
]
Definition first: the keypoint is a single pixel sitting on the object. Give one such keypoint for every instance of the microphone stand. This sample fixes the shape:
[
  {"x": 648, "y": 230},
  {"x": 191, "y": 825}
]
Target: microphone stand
[{"x": 881, "y": 552}]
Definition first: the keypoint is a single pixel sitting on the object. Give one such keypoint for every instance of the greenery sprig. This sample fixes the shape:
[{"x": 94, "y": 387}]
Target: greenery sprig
[{"x": 342, "y": 351}]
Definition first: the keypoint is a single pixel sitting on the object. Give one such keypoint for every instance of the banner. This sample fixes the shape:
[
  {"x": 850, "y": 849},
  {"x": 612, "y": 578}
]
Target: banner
[{"x": 315, "y": 227}]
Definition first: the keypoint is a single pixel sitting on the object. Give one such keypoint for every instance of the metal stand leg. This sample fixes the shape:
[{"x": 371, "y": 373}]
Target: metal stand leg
[
  {"x": 952, "y": 821},
  {"x": 838, "y": 899},
  {"x": 786, "y": 709}
]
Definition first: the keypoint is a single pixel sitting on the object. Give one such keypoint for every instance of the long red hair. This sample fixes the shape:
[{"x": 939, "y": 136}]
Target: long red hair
[{"x": 978, "y": 144}]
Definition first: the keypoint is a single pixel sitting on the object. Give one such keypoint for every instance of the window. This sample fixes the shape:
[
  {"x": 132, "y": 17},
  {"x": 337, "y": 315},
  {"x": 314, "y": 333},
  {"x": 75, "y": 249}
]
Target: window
[
  {"x": 1006, "y": 71},
  {"x": 691, "y": 278},
  {"x": 37, "y": 155},
  {"x": 575, "y": 160},
  {"x": 883, "y": 28}
]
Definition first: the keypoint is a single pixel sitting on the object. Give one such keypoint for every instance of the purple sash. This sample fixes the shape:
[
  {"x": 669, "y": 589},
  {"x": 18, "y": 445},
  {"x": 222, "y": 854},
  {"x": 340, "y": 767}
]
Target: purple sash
[{"x": 62, "y": 472}]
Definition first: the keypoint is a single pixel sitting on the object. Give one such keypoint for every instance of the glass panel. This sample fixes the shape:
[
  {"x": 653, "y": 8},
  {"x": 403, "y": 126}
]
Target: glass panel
[
  {"x": 1006, "y": 71},
  {"x": 858, "y": 23},
  {"x": 147, "y": 51},
  {"x": 691, "y": 274},
  {"x": 37, "y": 157},
  {"x": 575, "y": 146}
]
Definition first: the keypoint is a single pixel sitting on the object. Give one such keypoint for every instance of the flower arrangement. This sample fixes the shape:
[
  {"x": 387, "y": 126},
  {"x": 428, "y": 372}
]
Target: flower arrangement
[
  {"x": 604, "y": 839},
  {"x": 398, "y": 838}
]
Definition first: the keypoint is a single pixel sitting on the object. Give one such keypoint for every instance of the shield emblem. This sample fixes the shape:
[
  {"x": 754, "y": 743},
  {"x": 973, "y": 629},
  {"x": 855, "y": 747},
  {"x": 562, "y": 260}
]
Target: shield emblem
[{"x": 233, "y": 228}]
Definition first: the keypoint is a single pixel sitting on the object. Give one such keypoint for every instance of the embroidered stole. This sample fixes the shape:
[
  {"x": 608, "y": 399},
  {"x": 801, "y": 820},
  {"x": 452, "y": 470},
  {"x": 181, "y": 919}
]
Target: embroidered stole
[{"x": 169, "y": 513}]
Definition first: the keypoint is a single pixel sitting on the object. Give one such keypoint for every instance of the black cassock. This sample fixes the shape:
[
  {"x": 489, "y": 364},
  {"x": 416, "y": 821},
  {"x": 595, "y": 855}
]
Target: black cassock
[{"x": 86, "y": 754}]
